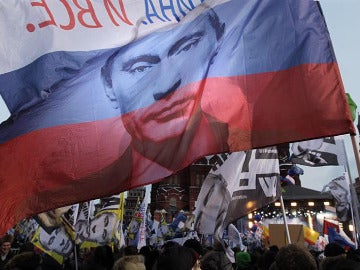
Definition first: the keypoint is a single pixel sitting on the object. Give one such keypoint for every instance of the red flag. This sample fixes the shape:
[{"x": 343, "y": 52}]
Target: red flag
[
  {"x": 330, "y": 224},
  {"x": 126, "y": 104}
]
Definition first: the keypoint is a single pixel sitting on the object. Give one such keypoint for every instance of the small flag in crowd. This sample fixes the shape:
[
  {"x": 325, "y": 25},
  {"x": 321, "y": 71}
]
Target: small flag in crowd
[
  {"x": 336, "y": 237},
  {"x": 310, "y": 235}
]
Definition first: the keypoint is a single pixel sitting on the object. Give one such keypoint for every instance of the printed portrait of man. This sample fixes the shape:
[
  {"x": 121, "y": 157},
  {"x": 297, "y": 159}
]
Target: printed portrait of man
[
  {"x": 212, "y": 203},
  {"x": 58, "y": 241},
  {"x": 339, "y": 188},
  {"x": 158, "y": 89},
  {"x": 100, "y": 228}
]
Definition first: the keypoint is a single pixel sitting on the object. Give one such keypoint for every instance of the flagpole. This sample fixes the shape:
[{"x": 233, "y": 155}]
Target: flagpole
[
  {"x": 76, "y": 257},
  {"x": 285, "y": 221},
  {"x": 354, "y": 197},
  {"x": 356, "y": 152},
  {"x": 75, "y": 215}
]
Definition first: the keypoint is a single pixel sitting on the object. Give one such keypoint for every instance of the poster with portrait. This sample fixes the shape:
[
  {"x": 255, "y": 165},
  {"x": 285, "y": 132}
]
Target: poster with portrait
[
  {"x": 339, "y": 189},
  {"x": 101, "y": 228},
  {"x": 58, "y": 244}
]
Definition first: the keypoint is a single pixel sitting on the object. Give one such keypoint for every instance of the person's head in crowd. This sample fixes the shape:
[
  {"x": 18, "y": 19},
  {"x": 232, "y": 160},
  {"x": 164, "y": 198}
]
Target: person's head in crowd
[
  {"x": 242, "y": 260},
  {"x": 274, "y": 248},
  {"x": 176, "y": 257},
  {"x": 195, "y": 245},
  {"x": 354, "y": 254},
  {"x": 28, "y": 260},
  {"x": 215, "y": 260},
  {"x": 103, "y": 255},
  {"x": 132, "y": 262},
  {"x": 94, "y": 267},
  {"x": 333, "y": 249},
  {"x": 169, "y": 244},
  {"x": 339, "y": 262},
  {"x": 145, "y": 250},
  {"x": 5, "y": 243},
  {"x": 49, "y": 262},
  {"x": 294, "y": 257},
  {"x": 267, "y": 259},
  {"x": 150, "y": 254},
  {"x": 130, "y": 250}
]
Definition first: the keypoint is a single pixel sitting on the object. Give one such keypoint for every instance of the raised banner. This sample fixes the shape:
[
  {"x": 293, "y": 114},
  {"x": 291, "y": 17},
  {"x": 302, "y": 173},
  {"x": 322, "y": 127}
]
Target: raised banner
[
  {"x": 319, "y": 152},
  {"x": 244, "y": 182},
  {"x": 103, "y": 227},
  {"x": 109, "y": 95},
  {"x": 340, "y": 190}
]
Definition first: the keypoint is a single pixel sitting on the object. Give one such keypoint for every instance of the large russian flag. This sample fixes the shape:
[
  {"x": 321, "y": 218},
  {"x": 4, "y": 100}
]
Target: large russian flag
[{"x": 109, "y": 95}]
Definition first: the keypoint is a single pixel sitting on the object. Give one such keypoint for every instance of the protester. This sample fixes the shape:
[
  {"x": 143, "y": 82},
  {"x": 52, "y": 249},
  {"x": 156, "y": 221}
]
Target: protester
[
  {"x": 102, "y": 256},
  {"x": 29, "y": 260},
  {"x": 242, "y": 260},
  {"x": 339, "y": 262},
  {"x": 150, "y": 254},
  {"x": 215, "y": 260},
  {"x": 333, "y": 249},
  {"x": 5, "y": 250},
  {"x": 294, "y": 257},
  {"x": 268, "y": 258},
  {"x": 176, "y": 257},
  {"x": 132, "y": 262},
  {"x": 195, "y": 245}
]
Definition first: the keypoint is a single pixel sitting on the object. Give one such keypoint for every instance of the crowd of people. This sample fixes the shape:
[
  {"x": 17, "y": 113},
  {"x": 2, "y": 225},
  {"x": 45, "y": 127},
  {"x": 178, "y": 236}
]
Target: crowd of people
[{"x": 191, "y": 255}]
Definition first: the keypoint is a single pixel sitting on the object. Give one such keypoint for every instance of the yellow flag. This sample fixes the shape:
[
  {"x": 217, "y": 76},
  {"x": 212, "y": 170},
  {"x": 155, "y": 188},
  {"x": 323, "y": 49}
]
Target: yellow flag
[{"x": 310, "y": 235}]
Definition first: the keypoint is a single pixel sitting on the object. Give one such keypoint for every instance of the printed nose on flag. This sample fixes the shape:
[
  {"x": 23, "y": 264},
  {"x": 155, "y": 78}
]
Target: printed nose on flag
[{"x": 161, "y": 94}]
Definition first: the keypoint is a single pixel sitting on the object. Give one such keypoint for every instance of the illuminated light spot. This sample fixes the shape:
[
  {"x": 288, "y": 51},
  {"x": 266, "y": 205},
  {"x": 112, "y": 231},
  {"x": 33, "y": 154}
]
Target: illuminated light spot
[{"x": 249, "y": 204}]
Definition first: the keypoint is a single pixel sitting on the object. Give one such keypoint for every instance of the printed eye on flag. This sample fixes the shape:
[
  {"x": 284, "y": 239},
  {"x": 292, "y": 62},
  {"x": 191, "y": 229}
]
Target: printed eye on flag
[{"x": 109, "y": 95}]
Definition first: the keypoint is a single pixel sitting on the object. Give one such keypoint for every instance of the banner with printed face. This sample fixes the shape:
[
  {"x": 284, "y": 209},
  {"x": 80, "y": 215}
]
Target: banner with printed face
[
  {"x": 103, "y": 227},
  {"x": 339, "y": 189},
  {"x": 242, "y": 183},
  {"x": 319, "y": 152},
  {"x": 57, "y": 244},
  {"x": 246, "y": 181},
  {"x": 110, "y": 95}
]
